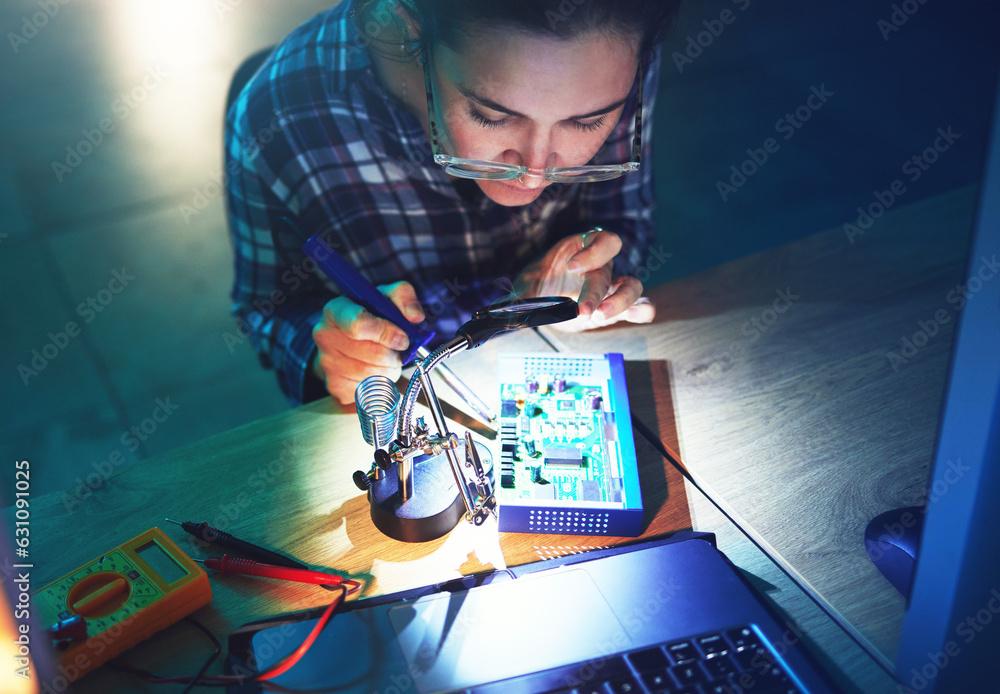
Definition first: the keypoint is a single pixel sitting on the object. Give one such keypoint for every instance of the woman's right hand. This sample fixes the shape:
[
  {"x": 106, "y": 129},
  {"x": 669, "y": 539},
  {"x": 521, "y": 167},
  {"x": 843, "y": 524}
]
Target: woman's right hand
[{"x": 353, "y": 344}]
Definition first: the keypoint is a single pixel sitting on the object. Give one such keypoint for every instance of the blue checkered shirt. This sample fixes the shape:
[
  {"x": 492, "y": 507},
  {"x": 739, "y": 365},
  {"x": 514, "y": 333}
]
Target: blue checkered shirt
[{"x": 314, "y": 136}]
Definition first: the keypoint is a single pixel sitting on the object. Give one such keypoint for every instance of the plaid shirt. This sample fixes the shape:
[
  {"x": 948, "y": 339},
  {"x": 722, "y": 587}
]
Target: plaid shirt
[{"x": 315, "y": 137}]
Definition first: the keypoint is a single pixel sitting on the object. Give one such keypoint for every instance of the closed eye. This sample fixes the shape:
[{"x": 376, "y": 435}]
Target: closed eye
[
  {"x": 592, "y": 126},
  {"x": 482, "y": 120}
]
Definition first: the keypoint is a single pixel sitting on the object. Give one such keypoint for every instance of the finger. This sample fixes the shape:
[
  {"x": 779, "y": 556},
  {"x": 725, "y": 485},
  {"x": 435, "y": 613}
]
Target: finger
[
  {"x": 601, "y": 247},
  {"x": 405, "y": 297},
  {"x": 642, "y": 311},
  {"x": 596, "y": 284},
  {"x": 333, "y": 342},
  {"x": 624, "y": 292},
  {"x": 343, "y": 374},
  {"x": 357, "y": 324}
]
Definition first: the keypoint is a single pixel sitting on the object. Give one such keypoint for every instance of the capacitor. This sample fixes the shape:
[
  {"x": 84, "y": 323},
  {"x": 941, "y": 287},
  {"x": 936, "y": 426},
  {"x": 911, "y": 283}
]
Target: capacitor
[
  {"x": 559, "y": 384},
  {"x": 594, "y": 401},
  {"x": 543, "y": 383},
  {"x": 532, "y": 386}
]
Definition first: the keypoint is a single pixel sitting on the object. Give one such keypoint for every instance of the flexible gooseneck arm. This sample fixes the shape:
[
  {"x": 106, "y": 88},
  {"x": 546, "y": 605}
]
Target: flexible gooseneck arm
[{"x": 456, "y": 345}]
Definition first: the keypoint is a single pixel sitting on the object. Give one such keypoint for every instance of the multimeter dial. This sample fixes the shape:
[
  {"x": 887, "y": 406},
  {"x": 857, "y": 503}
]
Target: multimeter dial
[
  {"x": 107, "y": 586},
  {"x": 124, "y": 596}
]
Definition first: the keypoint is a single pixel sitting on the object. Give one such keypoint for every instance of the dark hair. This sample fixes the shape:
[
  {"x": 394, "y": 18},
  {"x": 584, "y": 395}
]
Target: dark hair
[{"x": 451, "y": 21}]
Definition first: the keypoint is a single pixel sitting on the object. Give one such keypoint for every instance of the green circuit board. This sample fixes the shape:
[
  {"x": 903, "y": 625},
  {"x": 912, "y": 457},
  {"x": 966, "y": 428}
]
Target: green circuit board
[{"x": 554, "y": 441}]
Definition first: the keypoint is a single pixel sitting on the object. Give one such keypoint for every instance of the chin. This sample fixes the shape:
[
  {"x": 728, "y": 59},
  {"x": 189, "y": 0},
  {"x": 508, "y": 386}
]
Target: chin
[{"x": 510, "y": 193}]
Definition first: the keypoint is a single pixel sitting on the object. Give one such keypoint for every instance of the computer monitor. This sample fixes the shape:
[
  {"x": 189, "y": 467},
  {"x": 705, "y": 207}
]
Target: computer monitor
[{"x": 951, "y": 630}]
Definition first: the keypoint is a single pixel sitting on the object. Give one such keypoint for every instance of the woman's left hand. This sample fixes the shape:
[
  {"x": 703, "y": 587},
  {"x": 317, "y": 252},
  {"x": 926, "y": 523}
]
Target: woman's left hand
[{"x": 580, "y": 267}]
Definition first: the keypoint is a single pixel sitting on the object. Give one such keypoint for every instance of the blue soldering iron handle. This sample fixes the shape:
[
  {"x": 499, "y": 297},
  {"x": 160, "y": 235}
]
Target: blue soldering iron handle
[{"x": 362, "y": 292}]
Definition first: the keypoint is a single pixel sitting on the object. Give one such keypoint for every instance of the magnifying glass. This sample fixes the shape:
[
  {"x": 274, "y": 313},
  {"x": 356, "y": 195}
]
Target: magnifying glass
[{"x": 516, "y": 314}]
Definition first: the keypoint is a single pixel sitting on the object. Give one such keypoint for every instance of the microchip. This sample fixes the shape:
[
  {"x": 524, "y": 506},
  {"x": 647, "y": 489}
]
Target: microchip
[
  {"x": 614, "y": 489},
  {"x": 544, "y": 491},
  {"x": 508, "y": 408},
  {"x": 566, "y": 404},
  {"x": 590, "y": 490},
  {"x": 569, "y": 456}
]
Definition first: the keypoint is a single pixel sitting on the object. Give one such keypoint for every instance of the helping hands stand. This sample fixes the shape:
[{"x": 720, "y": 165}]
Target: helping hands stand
[{"x": 417, "y": 487}]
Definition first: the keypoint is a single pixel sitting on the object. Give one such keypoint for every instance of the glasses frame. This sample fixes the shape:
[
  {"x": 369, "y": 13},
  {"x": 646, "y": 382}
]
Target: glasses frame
[{"x": 588, "y": 173}]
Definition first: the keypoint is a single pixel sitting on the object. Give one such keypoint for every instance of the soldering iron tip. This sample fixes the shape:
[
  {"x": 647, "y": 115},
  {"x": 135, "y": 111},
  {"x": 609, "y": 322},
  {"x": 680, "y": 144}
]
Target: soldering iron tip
[{"x": 169, "y": 520}]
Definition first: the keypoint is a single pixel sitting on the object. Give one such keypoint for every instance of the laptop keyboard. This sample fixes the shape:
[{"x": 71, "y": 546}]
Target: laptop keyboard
[{"x": 735, "y": 661}]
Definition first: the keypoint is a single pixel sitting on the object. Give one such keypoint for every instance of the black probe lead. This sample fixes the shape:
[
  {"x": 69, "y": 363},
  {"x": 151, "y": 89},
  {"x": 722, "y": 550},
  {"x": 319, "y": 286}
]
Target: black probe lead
[{"x": 203, "y": 531}]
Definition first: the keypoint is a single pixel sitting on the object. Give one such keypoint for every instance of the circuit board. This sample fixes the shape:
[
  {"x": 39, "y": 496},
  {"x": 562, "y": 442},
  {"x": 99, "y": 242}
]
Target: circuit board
[{"x": 567, "y": 457}]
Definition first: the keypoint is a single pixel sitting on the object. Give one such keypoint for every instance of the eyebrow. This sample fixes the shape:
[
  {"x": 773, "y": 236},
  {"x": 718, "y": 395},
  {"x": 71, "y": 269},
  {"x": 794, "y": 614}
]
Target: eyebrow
[{"x": 494, "y": 106}]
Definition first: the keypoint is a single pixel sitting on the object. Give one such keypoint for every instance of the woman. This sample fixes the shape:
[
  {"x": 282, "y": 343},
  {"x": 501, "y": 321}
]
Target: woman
[{"x": 455, "y": 152}]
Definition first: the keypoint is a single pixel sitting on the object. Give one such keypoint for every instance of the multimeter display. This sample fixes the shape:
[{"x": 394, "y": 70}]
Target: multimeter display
[
  {"x": 125, "y": 595},
  {"x": 161, "y": 562}
]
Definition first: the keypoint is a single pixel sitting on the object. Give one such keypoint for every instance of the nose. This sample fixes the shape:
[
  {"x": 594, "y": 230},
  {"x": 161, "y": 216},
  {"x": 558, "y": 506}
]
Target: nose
[
  {"x": 534, "y": 178},
  {"x": 536, "y": 154}
]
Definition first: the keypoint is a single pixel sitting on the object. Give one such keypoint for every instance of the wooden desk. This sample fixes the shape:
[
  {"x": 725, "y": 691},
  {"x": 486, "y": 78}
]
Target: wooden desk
[
  {"x": 787, "y": 405},
  {"x": 285, "y": 482},
  {"x": 803, "y": 428}
]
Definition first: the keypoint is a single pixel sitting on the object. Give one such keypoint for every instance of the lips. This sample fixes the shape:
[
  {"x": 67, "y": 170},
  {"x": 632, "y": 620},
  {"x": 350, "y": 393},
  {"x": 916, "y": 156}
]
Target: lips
[{"x": 521, "y": 189}]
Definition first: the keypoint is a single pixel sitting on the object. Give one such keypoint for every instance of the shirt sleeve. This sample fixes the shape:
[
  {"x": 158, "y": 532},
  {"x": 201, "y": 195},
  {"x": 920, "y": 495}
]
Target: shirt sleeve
[
  {"x": 276, "y": 302},
  {"x": 625, "y": 205}
]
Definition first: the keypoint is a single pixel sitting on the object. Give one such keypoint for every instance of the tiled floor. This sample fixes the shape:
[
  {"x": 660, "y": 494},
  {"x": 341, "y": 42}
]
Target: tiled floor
[{"x": 153, "y": 74}]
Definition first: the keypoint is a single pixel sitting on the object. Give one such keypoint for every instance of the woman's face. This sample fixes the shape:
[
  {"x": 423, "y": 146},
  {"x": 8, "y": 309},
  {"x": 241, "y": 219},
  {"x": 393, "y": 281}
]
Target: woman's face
[{"x": 530, "y": 100}]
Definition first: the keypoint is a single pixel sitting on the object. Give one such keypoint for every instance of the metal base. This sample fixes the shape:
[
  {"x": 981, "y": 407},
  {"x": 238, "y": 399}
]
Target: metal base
[{"x": 436, "y": 505}]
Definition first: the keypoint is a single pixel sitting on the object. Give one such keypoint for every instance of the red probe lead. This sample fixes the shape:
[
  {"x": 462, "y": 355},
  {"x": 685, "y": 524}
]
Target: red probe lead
[{"x": 232, "y": 565}]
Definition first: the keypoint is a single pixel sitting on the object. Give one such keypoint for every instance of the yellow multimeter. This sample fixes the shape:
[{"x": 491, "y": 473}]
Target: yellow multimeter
[{"x": 125, "y": 596}]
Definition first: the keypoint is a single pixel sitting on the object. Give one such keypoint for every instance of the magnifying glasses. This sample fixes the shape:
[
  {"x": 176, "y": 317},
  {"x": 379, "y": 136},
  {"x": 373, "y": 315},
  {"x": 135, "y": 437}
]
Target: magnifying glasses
[{"x": 516, "y": 314}]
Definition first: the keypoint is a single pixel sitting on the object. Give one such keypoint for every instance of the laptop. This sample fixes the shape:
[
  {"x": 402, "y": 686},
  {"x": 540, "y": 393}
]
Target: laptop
[{"x": 666, "y": 616}]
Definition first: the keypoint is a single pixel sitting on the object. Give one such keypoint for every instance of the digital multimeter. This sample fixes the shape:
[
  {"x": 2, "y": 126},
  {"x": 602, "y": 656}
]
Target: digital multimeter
[{"x": 125, "y": 595}]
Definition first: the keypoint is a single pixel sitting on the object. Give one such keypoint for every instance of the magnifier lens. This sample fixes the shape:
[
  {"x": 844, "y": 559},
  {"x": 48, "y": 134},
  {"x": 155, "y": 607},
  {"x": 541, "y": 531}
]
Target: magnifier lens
[{"x": 516, "y": 314}]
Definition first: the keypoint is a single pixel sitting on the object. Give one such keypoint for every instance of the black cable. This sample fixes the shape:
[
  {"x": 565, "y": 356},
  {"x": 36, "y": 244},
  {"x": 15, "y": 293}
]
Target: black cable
[
  {"x": 759, "y": 543},
  {"x": 545, "y": 339},
  {"x": 217, "y": 649},
  {"x": 157, "y": 679},
  {"x": 768, "y": 552}
]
